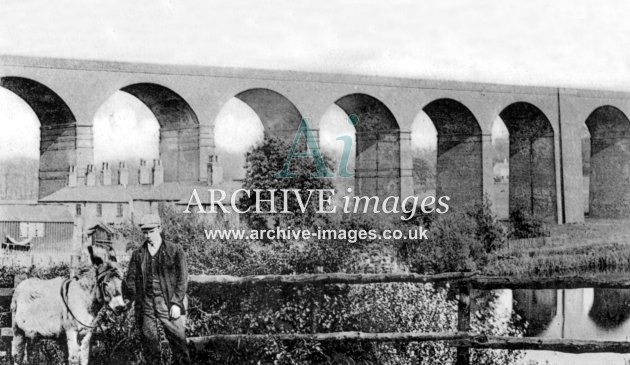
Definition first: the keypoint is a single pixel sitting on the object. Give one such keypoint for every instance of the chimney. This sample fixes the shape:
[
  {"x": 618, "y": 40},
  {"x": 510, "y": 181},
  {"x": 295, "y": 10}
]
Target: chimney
[
  {"x": 215, "y": 171},
  {"x": 123, "y": 174},
  {"x": 144, "y": 173},
  {"x": 158, "y": 172},
  {"x": 72, "y": 176},
  {"x": 90, "y": 178},
  {"x": 106, "y": 174}
]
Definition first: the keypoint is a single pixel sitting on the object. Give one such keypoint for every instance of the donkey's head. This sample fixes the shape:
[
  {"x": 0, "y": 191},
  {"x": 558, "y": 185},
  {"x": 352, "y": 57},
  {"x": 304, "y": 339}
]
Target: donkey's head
[{"x": 109, "y": 279}]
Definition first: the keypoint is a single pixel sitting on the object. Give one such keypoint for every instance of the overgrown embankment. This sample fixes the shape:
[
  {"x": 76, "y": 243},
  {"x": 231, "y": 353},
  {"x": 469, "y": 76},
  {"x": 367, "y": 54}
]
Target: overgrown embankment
[{"x": 597, "y": 246}]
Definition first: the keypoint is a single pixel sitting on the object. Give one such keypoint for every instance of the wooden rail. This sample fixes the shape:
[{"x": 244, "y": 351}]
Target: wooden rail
[
  {"x": 475, "y": 280},
  {"x": 461, "y": 339},
  {"x": 200, "y": 342}
]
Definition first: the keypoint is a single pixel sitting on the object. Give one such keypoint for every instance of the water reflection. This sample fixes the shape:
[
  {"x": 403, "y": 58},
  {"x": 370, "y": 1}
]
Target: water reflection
[
  {"x": 538, "y": 307},
  {"x": 611, "y": 308},
  {"x": 585, "y": 314},
  {"x": 575, "y": 313}
]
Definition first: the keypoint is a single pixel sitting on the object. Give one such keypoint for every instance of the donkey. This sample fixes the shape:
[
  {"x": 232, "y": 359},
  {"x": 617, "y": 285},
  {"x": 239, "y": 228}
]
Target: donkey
[{"x": 57, "y": 307}]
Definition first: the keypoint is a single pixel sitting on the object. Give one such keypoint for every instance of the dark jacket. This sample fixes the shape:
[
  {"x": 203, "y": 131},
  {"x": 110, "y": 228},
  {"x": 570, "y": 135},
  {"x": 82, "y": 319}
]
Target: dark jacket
[{"x": 172, "y": 273}]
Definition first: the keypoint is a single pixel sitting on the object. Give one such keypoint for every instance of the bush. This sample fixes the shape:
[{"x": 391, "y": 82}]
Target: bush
[
  {"x": 401, "y": 307},
  {"x": 526, "y": 225},
  {"x": 263, "y": 162},
  {"x": 489, "y": 231},
  {"x": 271, "y": 309},
  {"x": 457, "y": 241}
]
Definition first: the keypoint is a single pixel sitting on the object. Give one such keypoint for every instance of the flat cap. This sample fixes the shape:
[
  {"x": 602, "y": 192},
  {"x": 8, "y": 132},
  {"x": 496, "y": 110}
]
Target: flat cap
[{"x": 150, "y": 221}]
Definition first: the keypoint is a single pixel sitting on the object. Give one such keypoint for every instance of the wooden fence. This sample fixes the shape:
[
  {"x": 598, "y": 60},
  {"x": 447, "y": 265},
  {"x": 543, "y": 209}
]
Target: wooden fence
[{"x": 463, "y": 339}]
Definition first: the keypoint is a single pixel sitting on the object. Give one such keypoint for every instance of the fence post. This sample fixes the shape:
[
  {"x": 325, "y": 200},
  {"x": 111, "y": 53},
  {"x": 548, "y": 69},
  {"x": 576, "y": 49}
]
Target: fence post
[{"x": 463, "y": 322}]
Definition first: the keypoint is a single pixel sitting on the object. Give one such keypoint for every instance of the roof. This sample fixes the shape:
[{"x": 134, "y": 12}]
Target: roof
[
  {"x": 167, "y": 192},
  {"x": 99, "y": 193},
  {"x": 102, "y": 226},
  {"x": 35, "y": 213},
  {"x": 204, "y": 195},
  {"x": 171, "y": 191}
]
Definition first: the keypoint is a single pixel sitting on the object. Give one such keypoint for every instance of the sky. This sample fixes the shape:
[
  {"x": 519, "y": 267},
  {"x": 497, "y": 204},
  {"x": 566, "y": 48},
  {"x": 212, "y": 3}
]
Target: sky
[{"x": 578, "y": 43}]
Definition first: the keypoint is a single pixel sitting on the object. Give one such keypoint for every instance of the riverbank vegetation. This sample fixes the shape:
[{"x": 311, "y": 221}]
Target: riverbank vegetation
[
  {"x": 560, "y": 258},
  {"x": 596, "y": 246}
]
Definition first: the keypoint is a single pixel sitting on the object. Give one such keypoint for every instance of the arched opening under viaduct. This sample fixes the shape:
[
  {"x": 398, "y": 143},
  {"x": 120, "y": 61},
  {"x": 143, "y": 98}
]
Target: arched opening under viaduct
[
  {"x": 179, "y": 130},
  {"x": 337, "y": 139},
  {"x": 532, "y": 177},
  {"x": 58, "y": 138},
  {"x": 424, "y": 155},
  {"x": 500, "y": 169},
  {"x": 19, "y": 149},
  {"x": 237, "y": 128},
  {"x": 378, "y": 144},
  {"x": 244, "y": 120},
  {"x": 609, "y": 178},
  {"x": 585, "y": 143},
  {"x": 121, "y": 116},
  {"x": 278, "y": 114},
  {"x": 459, "y": 167}
]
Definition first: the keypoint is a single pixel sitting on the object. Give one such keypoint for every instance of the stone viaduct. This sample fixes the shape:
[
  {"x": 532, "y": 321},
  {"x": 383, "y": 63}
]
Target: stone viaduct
[{"x": 545, "y": 127}]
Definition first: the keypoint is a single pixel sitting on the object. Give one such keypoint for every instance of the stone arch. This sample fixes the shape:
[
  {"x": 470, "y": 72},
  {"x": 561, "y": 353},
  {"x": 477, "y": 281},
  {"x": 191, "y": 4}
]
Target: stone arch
[
  {"x": 59, "y": 138},
  {"x": 378, "y": 138},
  {"x": 179, "y": 130},
  {"x": 609, "y": 187},
  {"x": 277, "y": 113},
  {"x": 532, "y": 186},
  {"x": 459, "y": 155}
]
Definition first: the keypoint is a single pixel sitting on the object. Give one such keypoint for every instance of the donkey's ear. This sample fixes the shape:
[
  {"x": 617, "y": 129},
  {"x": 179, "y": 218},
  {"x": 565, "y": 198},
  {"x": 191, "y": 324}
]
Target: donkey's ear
[{"x": 94, "y": 256}]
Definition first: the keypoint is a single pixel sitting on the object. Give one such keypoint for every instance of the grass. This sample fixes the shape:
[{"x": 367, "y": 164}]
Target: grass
[
  {"x": 597, "y": 246},
  {"x": 604, "y": 258}
]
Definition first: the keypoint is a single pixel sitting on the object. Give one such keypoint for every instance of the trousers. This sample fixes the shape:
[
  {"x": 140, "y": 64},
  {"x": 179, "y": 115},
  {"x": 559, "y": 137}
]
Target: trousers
[{"x": 155, "y": 309}]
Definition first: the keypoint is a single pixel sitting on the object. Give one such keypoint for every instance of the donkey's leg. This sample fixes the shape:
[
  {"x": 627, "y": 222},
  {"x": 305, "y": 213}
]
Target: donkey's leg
[
  {"x": 85, "y": 348},
  {"x": 73, "y": 347},
  {"x": 17, "y": 345}
]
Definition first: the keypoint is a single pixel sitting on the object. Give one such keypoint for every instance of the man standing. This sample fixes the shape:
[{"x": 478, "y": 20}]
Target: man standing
[{"x": 157, "y": 280}]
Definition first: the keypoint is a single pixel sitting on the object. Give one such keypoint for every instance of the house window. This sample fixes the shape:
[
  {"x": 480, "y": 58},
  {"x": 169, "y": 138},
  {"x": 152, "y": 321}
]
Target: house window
[
  {"x": 78, "y": 210},
  {"x": 99, "y": 210},
  {"x": 119, "y": 210}
]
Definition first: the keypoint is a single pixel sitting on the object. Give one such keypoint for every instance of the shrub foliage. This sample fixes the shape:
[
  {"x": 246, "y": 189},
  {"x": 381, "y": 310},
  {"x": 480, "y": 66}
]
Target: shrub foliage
[
  {"x": 263, "y": 163},
  {"x": 457, "y": 242}
]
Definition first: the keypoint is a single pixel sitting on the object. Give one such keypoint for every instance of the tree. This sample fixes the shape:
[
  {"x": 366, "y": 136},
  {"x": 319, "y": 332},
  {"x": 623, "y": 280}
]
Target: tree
[{"x": 262, "y": 165}]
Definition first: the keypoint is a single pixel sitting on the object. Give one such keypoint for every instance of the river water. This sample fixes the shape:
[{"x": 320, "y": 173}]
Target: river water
[{"x": 585, "y": 314}]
